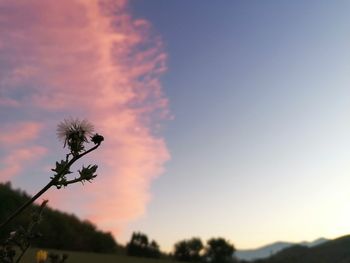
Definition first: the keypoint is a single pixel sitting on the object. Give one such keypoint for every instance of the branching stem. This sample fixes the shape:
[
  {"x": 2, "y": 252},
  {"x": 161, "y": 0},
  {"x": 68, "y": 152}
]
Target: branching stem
[{"x": 47, "y": 187}]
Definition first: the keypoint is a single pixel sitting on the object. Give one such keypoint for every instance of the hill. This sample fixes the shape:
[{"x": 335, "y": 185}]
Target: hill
[
  {"x": 88, "y": 257},
  {"x": 333, "y": 251},
  {"x": 272, "y": 249},
  {"x": 262, "y": 252},
  {"x": 59, "y": 230}
]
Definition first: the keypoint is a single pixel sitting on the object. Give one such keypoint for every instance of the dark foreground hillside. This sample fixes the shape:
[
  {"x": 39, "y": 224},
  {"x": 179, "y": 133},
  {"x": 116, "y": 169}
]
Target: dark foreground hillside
[
  {"x": 334, "y": 251},
  {"x": 88, "y": 257},
  {"x": 59, "y": 230}
]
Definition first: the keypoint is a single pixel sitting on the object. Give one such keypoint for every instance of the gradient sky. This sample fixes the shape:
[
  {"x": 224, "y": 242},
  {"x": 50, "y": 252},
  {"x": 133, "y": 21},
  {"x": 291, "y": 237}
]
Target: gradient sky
[{"x": 222, "y": 119}]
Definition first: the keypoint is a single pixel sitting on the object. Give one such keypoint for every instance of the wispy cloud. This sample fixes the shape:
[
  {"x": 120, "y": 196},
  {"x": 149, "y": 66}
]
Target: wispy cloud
[
  {"x": 19, "y": 133},
  {"x": 88, "y": 59},
  {"x": 15, "y": 160}
]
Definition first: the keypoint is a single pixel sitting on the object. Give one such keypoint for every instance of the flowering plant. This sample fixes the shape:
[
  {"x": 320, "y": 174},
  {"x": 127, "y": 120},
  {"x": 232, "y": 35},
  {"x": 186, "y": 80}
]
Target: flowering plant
[
  {"x": 75, "y": 134},
  {"x": 41, "y": 256}
]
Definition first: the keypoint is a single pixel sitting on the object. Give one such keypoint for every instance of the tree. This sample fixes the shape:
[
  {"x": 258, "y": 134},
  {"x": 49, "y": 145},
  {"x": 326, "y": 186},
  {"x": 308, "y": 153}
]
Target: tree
[
  {"x": 218, "y": 250},
  {"x": 188, "y": 250},
  {"x": 154, "y": 251},
  {"x": 139, "y": 246}
]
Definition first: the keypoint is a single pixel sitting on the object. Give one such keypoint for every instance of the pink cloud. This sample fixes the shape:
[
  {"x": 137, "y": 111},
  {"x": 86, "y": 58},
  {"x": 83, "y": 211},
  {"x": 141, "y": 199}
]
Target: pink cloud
[
  {"x": 18, "y": 133},
  {"x": 14, "y": 162},
  {"x": 91, "y": 59},
  {"x": 8, "y": 102}
]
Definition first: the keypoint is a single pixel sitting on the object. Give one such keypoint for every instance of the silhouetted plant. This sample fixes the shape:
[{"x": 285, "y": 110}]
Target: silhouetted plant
[
  {"x": 139, "y": 246},
  {"x": 189, "y": 250},
  {"x": 218, "y": 250},
  {"x": 66, "y": 233},
  {"x": 154, "y": 251},
  {"x": 75, "y": 134}
]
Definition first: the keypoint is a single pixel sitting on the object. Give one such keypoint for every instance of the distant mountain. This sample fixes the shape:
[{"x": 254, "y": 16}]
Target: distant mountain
[
  {"x": 314, "y": 243},
  {"x": 271, "y": 249},
  {"x": 262, "y": 252},
  {"x": 333, "y": 251}
]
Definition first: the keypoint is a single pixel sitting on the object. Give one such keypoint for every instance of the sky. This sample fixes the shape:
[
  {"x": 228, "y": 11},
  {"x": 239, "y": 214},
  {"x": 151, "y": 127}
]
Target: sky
[{"x": 222, "y": 119}]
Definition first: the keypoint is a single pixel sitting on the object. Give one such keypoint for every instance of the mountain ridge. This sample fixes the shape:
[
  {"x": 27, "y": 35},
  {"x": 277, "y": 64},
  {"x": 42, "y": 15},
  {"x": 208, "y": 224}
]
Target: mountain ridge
[
  {"x": 273, "y": 248},
  {"x": 333, "y": 251}
]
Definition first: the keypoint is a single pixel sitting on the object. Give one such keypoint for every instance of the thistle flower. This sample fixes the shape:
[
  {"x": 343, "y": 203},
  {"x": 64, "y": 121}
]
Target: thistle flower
[
  {"x": 67, "y": 127},
  {"x": 41, "y": 256},
  {"x": 74, "y": 133}
]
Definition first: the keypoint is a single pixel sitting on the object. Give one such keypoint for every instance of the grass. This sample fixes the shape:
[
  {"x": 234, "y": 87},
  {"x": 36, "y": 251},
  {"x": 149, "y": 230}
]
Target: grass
[{"x": 87, "y": 257}]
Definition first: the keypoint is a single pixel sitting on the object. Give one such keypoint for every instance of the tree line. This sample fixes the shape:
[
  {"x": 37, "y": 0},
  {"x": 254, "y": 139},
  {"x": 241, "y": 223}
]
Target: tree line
[
  {"x": 57, "y": 229},
  {"x": 216, "y": 250},
  {"x": 67, "y": 232}
]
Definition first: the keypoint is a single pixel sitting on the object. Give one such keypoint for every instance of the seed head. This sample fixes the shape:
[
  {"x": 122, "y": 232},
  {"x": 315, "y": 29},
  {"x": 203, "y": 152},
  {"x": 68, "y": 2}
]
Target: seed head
[{"x": 74, "y": 132}]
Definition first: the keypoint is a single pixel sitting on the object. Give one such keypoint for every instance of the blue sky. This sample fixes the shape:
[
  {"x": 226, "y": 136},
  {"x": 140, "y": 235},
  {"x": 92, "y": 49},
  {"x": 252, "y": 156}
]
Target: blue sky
[{"x": 260, "y": 94}]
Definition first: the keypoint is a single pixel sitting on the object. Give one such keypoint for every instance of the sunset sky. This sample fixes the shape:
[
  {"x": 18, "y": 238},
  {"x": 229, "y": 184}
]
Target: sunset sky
[{"x": 221, "y": 118}]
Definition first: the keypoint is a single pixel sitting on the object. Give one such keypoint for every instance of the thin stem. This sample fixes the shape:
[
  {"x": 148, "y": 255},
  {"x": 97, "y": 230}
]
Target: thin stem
[
  {"x": 47, "y": 187},
  {"x": 23, "y": 251},
  {"x": 26, "y": 204},
  {"x": 84, "y": 153},
  {"x": 79, "y": 179}
]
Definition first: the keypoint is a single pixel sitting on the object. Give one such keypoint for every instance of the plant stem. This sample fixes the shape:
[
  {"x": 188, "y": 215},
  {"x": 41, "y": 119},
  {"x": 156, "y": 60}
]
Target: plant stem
[
  {"x": 23, "y": 251},
  {"x": 26, "y": 204},
  {"x": 47, "y": 187}
]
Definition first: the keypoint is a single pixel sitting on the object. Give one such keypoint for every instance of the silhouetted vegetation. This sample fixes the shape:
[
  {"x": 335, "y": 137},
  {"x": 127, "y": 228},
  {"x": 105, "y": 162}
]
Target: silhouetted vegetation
[
  {"x": 58, "y": 230},
  {"x": 139, "y": 246},
  {"x": 75, "y": 134},
  {"x": 64, "y": 231},
  {"x": 188, "y": 250},
  {"x": 217, "y": 250}
]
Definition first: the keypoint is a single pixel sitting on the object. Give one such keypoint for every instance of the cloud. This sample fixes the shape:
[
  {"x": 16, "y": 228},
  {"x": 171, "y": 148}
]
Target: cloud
[
  {"x": 89, "y": 59},
  {"x": 8, "y": 102},
  {"x": 14, "y": 162},
  {"x": 19, "y": 133}
]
